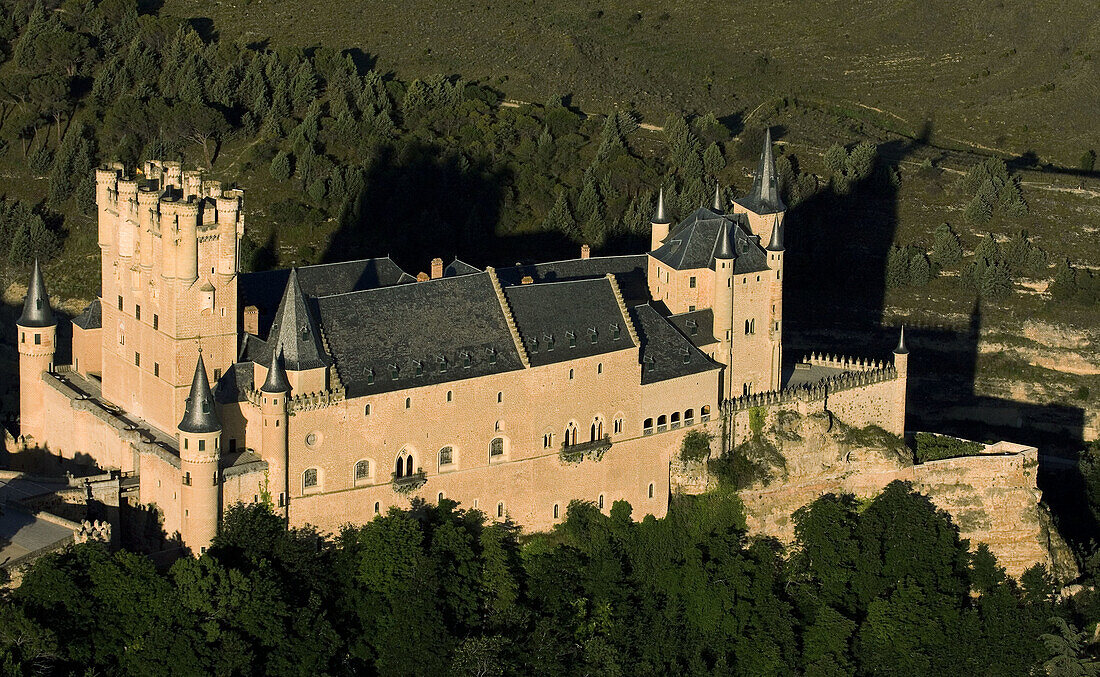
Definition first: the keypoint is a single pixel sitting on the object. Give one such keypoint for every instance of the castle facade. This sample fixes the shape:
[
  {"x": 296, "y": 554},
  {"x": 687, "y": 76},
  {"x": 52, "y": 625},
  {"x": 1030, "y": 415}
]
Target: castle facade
[{"x": 336, "y": 391}]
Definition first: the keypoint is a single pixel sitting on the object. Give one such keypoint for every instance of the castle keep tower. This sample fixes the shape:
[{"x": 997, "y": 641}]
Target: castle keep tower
[
  {"x": 37, "y": 344},
  {"x": 200, "y": 452},
  {"x": 169, "y": 245},
  {"x": 763, "y": 206}
]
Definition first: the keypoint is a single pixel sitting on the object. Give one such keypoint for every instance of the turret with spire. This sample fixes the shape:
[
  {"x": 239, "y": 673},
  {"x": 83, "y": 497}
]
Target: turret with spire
[
  {"x": 763, "y": 200},
  {"x": 901, "y": 363},
  {"x": 273, "y": 430},
  {"x": 725, "y": 257},
  {"x": 660, "y": 222},
  {"x": 37, "y": 341},
  {"x": 200, "y": 454},
  {"x": 717, "y": 206}
]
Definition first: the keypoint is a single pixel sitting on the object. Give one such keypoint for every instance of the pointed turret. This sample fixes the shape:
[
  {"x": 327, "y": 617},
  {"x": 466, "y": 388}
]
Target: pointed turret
[
  {"x": 199, "y": 415},
  {"x": 660, "y": 216},
  {"x": 294, "y": 332},
  {"x": 764, "y": 196},
  {"x": 901, "y": 348},
  {"x": 717, "y": 205},
  {"x": 277, "y": 381},
  {"x": 36, "y": 307},
  {"x": 776, "y": 242},
  {"x": 724, "y": 250}
]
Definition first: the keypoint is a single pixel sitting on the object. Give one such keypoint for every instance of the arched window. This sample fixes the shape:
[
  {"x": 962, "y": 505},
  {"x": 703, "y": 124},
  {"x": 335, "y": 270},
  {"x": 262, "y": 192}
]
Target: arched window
[
  {"x": 600, "y": 502},
  {"x": 498, "y": 426},
  {"x": 689, "y": 417},
  {"x": 675, "y": 420},
  {"x": 362, "y": 470},
  {"x": 570, "y": 434},
  {"x": 403, "y": 467},
  {"x": 500, "y": 509},
  {"x": 399, "y": 468},
  {"x": 408, "y": 465},
  {"x": 599, "y": 368},
  {"x": 662, "y": 423},
  {"x": 547, "y": 440},
  {"x": 555, "y": 511},
  {"x": 597, "y": 429},
  {"x": 651, "y": 489},
  {"x": 496, "y": 448},
  {"x": 446, "y": 456},
  {"x": 408, "y": 402},
  {"x": 377, "y": 507},
  {"x": 309, "y": 478},
  {"x": 746, "y": 327},
  {"x": 570, "y": 374},
  {"x": 647, "y": 427},
  {"x": 704, "y": 413},
  {"x": 439, "y": 498},
  {"x": 500, "y": 397}
]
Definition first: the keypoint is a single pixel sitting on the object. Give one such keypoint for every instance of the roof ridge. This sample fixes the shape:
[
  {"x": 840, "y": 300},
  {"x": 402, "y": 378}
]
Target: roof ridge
[
  {"x": 630, "y": 329},
  {"x": 509, "y": 319}
]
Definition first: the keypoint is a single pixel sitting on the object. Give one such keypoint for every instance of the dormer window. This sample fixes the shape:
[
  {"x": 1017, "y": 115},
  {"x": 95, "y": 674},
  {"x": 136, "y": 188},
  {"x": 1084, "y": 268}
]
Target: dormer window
[
  {"x": 535, "y": 344},
  {"x": 394, "y": 372},
  {"x": 370, "y": 377},
  {"x": 572, "y": 339},
  {"x": 615, "y": 332},
  {"x": 686, "y": 355},
  {"x": 442, "y": 364},
  {"x": 647, "y": 363},
  {"x": 592, "y": 336},
  {"x": 466, "y": 360},
  {"x": 419, "y": 367},
  {"x": 692, "y": 327},
  {"x": 492, "y": 355},
  {"x": 549, "y": 342}
]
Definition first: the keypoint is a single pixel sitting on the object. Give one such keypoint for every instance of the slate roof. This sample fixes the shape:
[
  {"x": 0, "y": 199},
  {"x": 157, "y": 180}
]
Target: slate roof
[
  {"x": 695, "y": 241},
  {"x": 697, "y": 326},
  {"x": 458, "y": 267},
  {"x": 199, "y": 415},
  {"x": 295, "y": 331},
  {"x": 666, "y": 353},
  {"x": 764, "y": 197},
  {"x": 630, "y": 272},
  {"x": 264, "y": 290},
  {"x": 564, "y": 321},
  {"x": 91, "y": 317},
  {"x": 36, "y": 307},
  {"x": 235, "y": 383},
  {"x": 458, "y": 319},
  {"x": 277, "y": 381}
]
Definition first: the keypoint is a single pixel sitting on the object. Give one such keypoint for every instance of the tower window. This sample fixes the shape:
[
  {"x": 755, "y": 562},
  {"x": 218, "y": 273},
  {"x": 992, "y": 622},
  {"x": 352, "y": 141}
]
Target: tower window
[
  {"x": 599, "y": 368},
  {"x": 446, "y": 455},
  {"x": 500, "y": 397},
  {"x": 362, "y": 470},
  {"x": 651, "y": 489},
  {"x": 377, "y": 507},
  {"x": 500, "y": 509},
  {"x": 600, "y": 502},
  {"x": 555, "y": 511},
  {"x": 137, "y": 359},
  {"x": 156, "y": 369},
  {"x": 156, "y": 321},
  {"x": 202, "y": 445},
  {"x": 450, "y": 395},
  {"x": 570, "y": 374},
  {"x": 137, "y": 312},
  {"x": 38, "y": 339},
  {"x": 309, "y": 478},
  {"x": 691, "y": 282},
  {"x": 408, "y": 403},
  {"x": 496, "y": 447},
  {"x": 120, "y": 303},
  {"x": 366, "y": 410}
]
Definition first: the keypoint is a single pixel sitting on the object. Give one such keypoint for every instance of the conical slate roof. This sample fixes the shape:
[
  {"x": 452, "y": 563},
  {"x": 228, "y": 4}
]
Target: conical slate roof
[
  {"x": 764, "y": 196},
  {"x": 294, "y": 332},
  {"x": 660, "y": 216},
  {"x": 776, "y": 242},
  {"x": 901, "y": 348},
  {"x": 36, "y": 307},
  {"x": 718, "y": 207},
  {"x": 725, "y": 247},
  {"x": 277, "y": 381},
  {"x": 199, "y": 415}
]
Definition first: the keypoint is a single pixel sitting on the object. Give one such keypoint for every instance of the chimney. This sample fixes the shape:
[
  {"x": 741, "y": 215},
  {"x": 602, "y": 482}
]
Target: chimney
[
  {"x": 437, "y": 268},
  {"x": 586, "y": 251},
  {"x": 422, "y": 277},
  {"x": 527, "y": 279},
  {"x": 251, "y": 320}
]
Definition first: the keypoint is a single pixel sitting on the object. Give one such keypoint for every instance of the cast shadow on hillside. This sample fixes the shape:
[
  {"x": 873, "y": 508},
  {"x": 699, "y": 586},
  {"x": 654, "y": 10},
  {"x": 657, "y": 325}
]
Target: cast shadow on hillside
[{"x": 418, "y": 203}]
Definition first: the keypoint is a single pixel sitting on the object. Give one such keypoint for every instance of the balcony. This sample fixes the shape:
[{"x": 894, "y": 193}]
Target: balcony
[
  {"x": 409, "y": 483},
  {"x": 594, "y": 450}
]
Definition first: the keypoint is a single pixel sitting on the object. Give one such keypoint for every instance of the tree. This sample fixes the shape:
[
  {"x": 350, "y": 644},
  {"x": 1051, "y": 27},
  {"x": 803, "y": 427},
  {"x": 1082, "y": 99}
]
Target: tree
[
  {"x": 920, "y": 271},
  {"x": 1068, "y": 652},
  {"x": 280, "y": 166},
  {"x": 897, "y": 267},
  {"x": 713, "y": 162},
  {"x": 559, "y": 219},
  {"x": 946, "y": 248},
  {"x": 1088, "y": 161},
  {"x": 200, "y": 124}
]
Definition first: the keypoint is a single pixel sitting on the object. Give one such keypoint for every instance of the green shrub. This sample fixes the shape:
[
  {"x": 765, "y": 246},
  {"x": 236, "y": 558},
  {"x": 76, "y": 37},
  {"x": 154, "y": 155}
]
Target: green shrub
[
  {"x": 931, "y": 447},
  {"x": 696, "y": 446}
]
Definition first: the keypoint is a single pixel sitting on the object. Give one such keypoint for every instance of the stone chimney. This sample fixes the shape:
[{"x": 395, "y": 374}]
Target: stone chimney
[
  {"x": 422, "y": 277},
  {"x": 437, "y": 268},
  {"x": 251, "y": 322},
  {"x": 527, "y": 279},
  {"x": 586, "y": 251}
]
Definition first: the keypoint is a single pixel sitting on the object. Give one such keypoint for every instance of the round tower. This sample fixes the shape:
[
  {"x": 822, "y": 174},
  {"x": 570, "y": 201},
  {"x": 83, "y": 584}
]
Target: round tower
[
  {"x": 724, "y": 259},
  {"x": 273, "y": 436},
  {"x": 200, "y": 450},
  {"x": 660, "y": 222},
  {"x": 901, "y": 363},
  {"x": 775, "y": 328},
  {"x": 37, "y": 341}
]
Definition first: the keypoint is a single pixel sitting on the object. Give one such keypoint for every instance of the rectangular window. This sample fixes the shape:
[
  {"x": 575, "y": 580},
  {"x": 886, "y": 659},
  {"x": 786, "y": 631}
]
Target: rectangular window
[
  {"x": 202, "y": 445},
  {"x": 217, "y": 374},
  {"x": 156, "y": 321},
  {"x": 38, "y": 339},
  {"x": 156, "y": 369},
  {"x": 137, "y": 359},
  {"x": 120, "y": 303},
  {"x": 691, "y": 282},
  {"x": 137, "y": 312}
]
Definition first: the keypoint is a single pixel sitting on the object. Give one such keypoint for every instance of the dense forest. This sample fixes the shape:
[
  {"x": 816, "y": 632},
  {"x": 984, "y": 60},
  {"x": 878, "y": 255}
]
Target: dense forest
[{"x": 883, "y": 587}]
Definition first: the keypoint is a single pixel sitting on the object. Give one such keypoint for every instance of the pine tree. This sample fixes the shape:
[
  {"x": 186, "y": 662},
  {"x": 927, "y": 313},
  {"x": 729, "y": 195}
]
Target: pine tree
[
  {"x": 897, "y": 268},
  {"x": 920, "y": 271},
  {"x": 560, "y": 220},
  {"x": 714, "y": 163},
  {"x": 946, "y": 249},
  {"x": 280, "y": 166}
]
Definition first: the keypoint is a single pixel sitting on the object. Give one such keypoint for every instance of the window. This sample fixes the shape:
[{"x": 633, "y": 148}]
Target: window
[
  {"x": 597, "y": 429},
  {"x": 156, "y": 369},
  {"x": 466, "y": 360},
  {"x": 691, "y": 309},
  {"x": 394, "y": 372},
  {"x": 408, "y": 403},
  {"x": 651, "y": 489},
  {"x": 550, "y": 342},
  {"x": 449, "y": 395},
  {"x": 570, "y": 374},
  {"x": 618, "y": 425},
  {"x": 309, "y": 478},
  {"x": 592, "y": 336},
  {"x": 662, "y": 423},
  {"x": 137, "y": 359},
  {"x": 614, "y": 332},
  {"x": 419, "y": 367},
  {"x": 691, "y": 282},
  {"x": 442, "y": 364},
  {"x": 137, "y": 312},
  {"x": 120, "y": 303},
  {"x": 202, "y": 445},
  {"x": 187, "y": 479},
  {"x": 675, "y": 420},
  {"x": 370, "y": 377},
  {"x": 547, "y": 440},
  {"x": 500, "y": 397},
  {"x": 500, "y": 509},
  {"x": 599, "y": 502},
  {"x": 692, "y": 327},
  {"x": 535, "y": 344},
  {"x": 38, "y": 339},
  {"x": 492, "y": 356},
  {"x": 599, "y": 368},
  {"x": 446, "y": 456},
  {"x": 218, "y": 375},
  {"x": 689, "y": 417},
  {"x": 439, "y": 497},
  {"x": 496, "y": 448},
  {"x": 570, "y": 434},
  {"x": 647, "y": 427},
  {"x": 156, "y": 321},
  {"x": 498, "y": 426},
  {"x": 362, "y": 470},
  {"x": 366, "y": 410},
  {"x": 377, "y": 507},
  {"x": 704, "y": 413},
  {"x": 404, "y": 465},
  {"x": 555, "y": 511}
]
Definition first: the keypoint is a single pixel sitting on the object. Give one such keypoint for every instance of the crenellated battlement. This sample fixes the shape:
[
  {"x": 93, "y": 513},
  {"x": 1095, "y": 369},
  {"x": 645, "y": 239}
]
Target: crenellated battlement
[
  {"x": 820, "y": 390},
  {"x": 842, "y": 362},
  {"x": 305, "y": 401}
]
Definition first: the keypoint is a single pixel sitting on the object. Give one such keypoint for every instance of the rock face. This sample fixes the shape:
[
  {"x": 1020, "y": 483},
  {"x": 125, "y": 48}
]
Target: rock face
[{"x": 992, "y": 497}]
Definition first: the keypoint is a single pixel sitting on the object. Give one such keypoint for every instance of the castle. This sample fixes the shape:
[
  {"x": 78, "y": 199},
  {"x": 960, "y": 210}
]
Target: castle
[{"x": 336, "y": 391}]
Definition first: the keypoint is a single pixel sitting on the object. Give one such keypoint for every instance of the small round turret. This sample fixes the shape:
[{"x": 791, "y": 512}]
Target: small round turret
[
  {"x": 37, "y": 343},
  {"x": 200, "y": 453}
]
